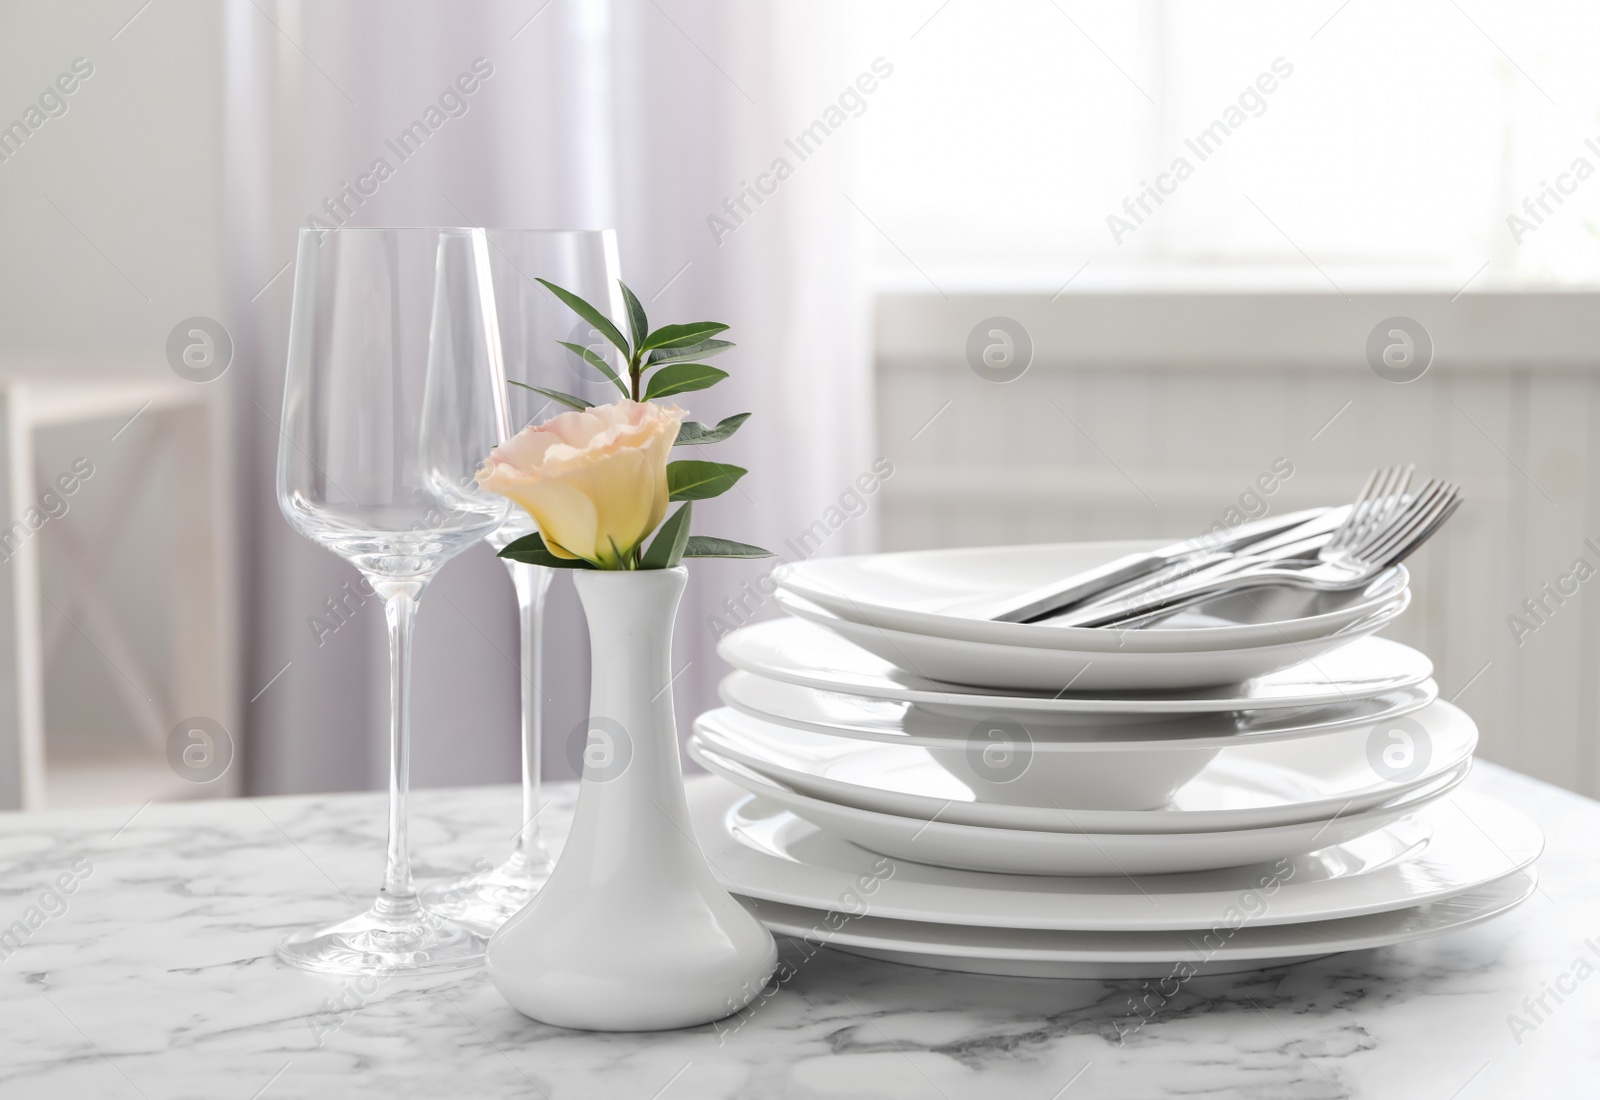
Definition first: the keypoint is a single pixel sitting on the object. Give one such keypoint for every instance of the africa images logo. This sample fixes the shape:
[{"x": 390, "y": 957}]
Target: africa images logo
[
  {"x": 1251, "y": 103},
  {"x": 52, "y": 103}
]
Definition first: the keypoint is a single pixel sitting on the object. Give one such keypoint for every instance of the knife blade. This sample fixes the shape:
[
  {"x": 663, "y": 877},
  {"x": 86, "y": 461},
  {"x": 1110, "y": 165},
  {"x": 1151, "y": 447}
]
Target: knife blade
[{"x": 1073, "y": 591}]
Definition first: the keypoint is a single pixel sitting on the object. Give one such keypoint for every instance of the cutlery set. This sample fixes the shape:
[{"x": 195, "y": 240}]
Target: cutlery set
[{"x": 1084, "y": 759}]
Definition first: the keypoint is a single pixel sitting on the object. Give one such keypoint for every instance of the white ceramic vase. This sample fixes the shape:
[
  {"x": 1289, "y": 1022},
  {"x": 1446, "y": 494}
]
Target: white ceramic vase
[{"x": 632, "y": 931}]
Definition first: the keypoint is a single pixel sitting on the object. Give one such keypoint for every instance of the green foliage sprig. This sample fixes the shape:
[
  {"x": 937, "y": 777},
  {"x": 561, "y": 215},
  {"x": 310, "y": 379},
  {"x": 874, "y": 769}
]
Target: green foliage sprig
[{"x": 670, "y": 356}]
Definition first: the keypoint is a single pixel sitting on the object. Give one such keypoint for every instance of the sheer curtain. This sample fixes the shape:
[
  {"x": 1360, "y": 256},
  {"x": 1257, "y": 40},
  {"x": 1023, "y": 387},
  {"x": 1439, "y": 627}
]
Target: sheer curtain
[{"x": 652, "y": 117}]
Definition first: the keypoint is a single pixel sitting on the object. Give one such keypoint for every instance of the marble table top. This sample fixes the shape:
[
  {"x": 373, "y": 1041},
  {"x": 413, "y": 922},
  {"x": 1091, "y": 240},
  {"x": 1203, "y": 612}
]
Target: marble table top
[{"x": 148, "y": 971}]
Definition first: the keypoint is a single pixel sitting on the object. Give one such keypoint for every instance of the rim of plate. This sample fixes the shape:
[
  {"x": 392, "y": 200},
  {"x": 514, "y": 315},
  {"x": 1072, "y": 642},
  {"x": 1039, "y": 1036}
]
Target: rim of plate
[
  {"x": 1082, "y": 737},
  {"x": 792, "y": 577},
  {"x": 1374, "y": 620},
  {"x": 1248, "y": 943},
  {"x": 936, "y": 694},
  {"x": 942, "y": 895}
]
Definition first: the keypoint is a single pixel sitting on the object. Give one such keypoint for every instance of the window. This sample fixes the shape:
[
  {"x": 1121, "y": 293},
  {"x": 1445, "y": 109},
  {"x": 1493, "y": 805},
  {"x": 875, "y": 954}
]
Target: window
[{"x": 1368, "y": 145}]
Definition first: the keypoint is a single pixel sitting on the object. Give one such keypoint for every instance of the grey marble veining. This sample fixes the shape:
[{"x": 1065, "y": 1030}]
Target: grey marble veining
[{"x": 156, "y": 977}]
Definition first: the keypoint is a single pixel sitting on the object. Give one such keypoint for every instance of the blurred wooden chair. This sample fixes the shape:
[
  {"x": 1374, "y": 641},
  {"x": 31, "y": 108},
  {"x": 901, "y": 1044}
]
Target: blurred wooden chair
[{"x": 144, "y": 412}]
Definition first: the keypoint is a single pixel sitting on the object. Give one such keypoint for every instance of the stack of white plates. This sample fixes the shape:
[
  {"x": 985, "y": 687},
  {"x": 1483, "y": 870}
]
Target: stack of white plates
[{"x": 1249, "y": 783}]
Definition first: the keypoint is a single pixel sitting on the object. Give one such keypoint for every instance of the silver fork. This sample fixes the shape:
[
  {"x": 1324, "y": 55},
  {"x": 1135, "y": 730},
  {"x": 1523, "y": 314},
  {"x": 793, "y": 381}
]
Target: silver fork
[
  {"x": 1380, "y": 537},
  {"x": 1382, "y": 493}
]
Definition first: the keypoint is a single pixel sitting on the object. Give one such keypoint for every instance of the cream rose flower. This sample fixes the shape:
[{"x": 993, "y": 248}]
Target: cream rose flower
[{"x": 594, "y": 481}]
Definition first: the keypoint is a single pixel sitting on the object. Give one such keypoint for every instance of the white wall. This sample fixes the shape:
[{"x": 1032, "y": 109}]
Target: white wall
[{"x": 111, "y": 214}]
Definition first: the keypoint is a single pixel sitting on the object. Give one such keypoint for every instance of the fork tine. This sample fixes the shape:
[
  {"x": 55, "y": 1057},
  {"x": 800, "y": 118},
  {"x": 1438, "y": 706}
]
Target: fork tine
[
  {"x": 1390, "y": 498},
  {"x": 1404, "y": 550},
  {"x": 1428, "y": 533},
  {"x": 1445, "y": 507},
  {"x": 1402, "y": 514},
  {"x": 1342, "y": 532},
  {"x": 1358, "y": 508},
  {"x": 1378, "y": 499},
  {"x": 1421, "y": 505},
  {"x": 1417, "y": 525},
  {"x": 1393, "y": 497}
]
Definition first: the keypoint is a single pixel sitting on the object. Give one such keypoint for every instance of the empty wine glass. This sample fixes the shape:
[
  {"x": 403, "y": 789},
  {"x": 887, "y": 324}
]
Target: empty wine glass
[
  {"x": 395, "y": 394},
  {"x": 532, "y": 324}
]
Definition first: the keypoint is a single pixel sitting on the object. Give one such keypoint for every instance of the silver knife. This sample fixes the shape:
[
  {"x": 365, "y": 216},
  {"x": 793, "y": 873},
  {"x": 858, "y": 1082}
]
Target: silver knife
[
  {"x": 1298, "y": 542},
  {"x": 1061, "y": 595}
]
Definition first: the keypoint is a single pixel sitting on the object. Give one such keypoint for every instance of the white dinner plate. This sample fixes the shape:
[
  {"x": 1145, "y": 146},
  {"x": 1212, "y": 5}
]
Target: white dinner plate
[
  {"x": 1002, "y": 783},
  {"x": 1035, "y": 852},
  {"x": 761, "y": 850},
  {"x": 1175, "y": 956},
  {"x": 895, "y": 723},
  {"x": 802, "y": 653},
  {"x": 933, "y": 592},
  {"x": 1034, "y": 668}
]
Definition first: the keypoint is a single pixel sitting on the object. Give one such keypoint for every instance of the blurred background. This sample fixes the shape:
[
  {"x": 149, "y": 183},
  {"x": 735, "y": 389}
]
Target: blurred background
[{"x": 1200, "y": 225}]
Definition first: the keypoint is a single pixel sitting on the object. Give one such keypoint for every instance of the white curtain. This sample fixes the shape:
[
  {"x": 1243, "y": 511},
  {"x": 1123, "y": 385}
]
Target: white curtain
[{"x": 644, "y": 116}]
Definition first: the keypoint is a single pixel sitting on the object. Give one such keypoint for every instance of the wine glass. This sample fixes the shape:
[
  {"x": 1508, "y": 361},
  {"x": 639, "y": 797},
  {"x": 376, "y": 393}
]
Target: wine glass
[
  {"x": 532, "y": 324},
  {"x": 395, "y": 394}
]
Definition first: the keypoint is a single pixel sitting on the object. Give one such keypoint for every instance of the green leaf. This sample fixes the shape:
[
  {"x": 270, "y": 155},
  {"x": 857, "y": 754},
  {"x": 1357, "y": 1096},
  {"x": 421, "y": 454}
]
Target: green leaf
[
  {"x": 636, "y": 320},
  {"x": 681, "y": 378},
  {"x": 708, "y": 546},
  {"x": 694, "y": 480},
  {"x": 666, "y": 549},
  {"x": 588, "y": 355},
  {"x": 566, "y": 399},
  {"x": 583, "y": 309},
  {"x": 703, "y": 350},
  {"x": 681, "y": 336},
  {"x": 693, "y": 433},
  {"x": 531, "y": 550}
]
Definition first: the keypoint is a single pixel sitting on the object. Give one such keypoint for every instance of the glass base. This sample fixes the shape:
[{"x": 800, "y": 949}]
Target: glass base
[
  {"x": 487, "y": 899},
  {"x": 418, "y": 942}
]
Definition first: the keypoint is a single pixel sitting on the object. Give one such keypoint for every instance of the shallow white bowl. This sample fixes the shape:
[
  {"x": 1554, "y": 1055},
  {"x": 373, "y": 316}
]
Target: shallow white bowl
[
  {"x": 933, "y": 592},
  {"x": 984, "y": 664}
]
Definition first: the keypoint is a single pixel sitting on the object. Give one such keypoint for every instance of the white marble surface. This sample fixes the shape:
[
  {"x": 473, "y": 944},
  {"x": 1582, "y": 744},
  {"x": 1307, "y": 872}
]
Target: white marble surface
[{"x": 158, "y": 979}]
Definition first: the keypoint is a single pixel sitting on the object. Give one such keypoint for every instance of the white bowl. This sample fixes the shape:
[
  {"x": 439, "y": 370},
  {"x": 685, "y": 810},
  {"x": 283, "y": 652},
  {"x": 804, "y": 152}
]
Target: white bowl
[
  {"x": 897, "y": 723},
  {"x": 1100, "y": 781},
  {"x": 1005, "y": 780}
]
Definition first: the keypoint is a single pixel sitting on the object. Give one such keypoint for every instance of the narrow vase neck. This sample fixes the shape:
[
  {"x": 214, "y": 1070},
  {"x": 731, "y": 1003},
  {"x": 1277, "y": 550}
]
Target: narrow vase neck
[{"x": 631, "y": 740}]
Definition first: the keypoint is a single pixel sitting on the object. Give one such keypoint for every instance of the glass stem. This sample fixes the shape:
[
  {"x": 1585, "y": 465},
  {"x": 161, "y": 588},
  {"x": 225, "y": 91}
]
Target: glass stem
[
  {"x": 398, "y": 898},
  {"x": 531, "y": 583}
]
